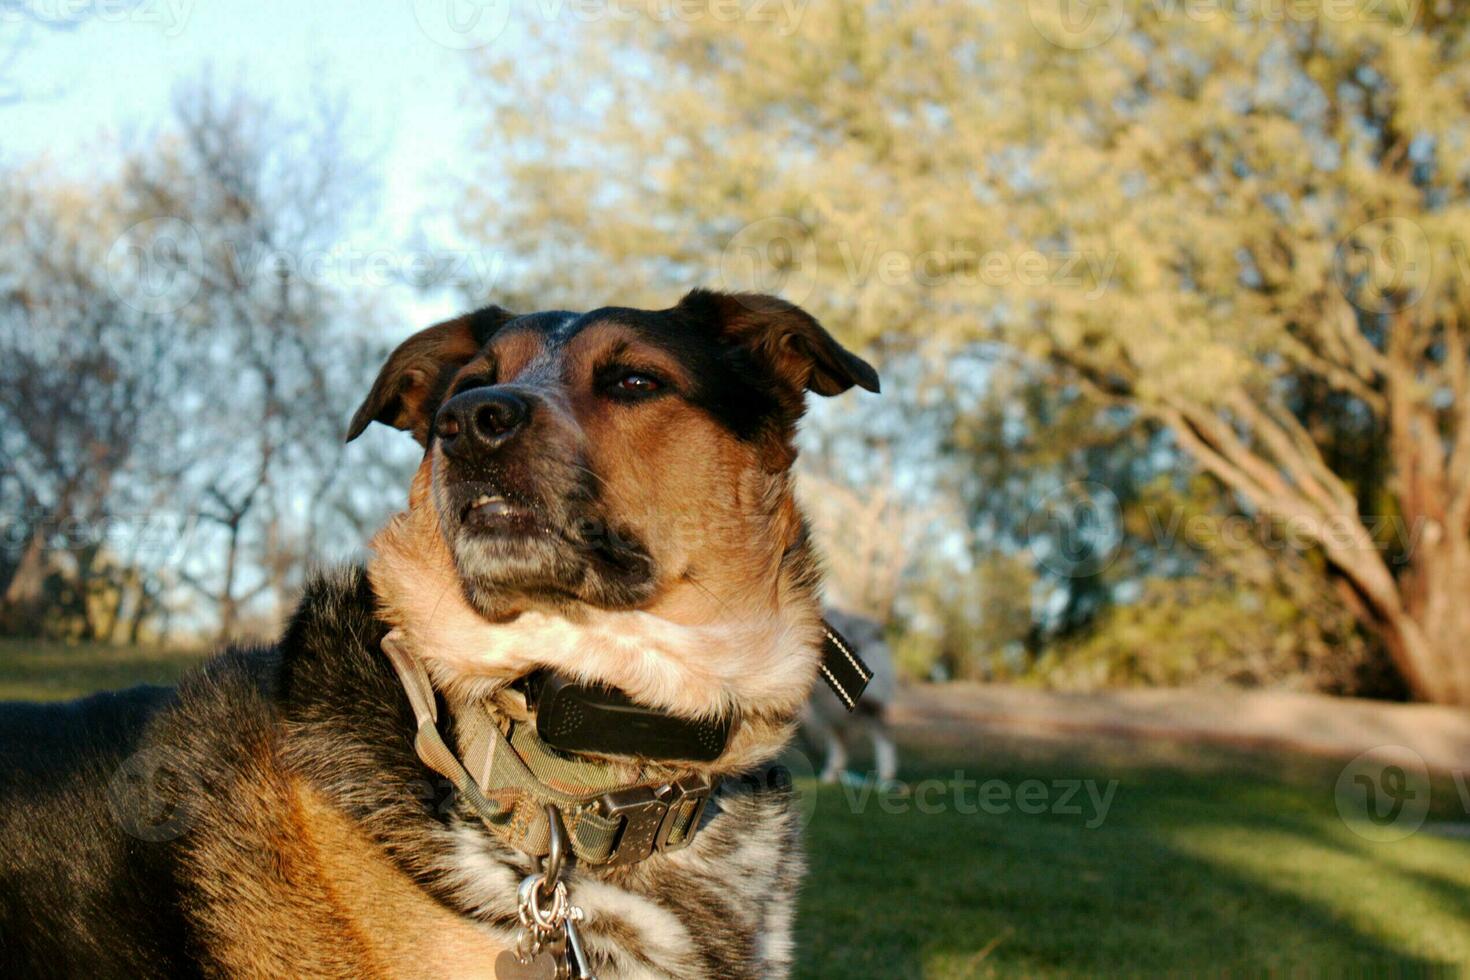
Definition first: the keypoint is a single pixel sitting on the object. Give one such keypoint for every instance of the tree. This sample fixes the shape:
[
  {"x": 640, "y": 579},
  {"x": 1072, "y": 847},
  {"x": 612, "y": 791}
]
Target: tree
[
  {"x": 258, "y": 200},
  {"x": 1251, "y": 230},
  {"x": 1227, "y": 598},
  {"x": 83, "y": 385},
  {"x": 177, "y": 349}
]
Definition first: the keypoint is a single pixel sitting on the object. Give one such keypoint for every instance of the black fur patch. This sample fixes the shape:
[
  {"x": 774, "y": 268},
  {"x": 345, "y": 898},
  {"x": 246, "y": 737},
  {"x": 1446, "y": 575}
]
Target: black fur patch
[{"x": 739, "y": 393}]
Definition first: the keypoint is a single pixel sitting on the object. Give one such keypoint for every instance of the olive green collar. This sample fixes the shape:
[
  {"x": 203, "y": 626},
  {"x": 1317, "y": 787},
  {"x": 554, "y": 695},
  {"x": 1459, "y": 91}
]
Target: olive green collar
[{"x": 508, "y": 776}]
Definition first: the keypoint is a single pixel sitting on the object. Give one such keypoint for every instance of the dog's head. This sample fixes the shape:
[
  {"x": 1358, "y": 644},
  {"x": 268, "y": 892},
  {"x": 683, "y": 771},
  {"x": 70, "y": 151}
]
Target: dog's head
[
  {"x": 607, "y": 495},
  {"x": 607, "y": 460}
]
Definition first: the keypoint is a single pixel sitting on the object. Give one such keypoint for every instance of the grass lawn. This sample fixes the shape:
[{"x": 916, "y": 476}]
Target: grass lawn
[
  {"x": 33, "y": 670},
  {"x": 1204, "y": 860},
  {"x": 1208, "y": 862}
]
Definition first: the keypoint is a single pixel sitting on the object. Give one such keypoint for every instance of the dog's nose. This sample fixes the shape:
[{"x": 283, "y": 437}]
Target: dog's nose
[{"x": 482, "y": 419}]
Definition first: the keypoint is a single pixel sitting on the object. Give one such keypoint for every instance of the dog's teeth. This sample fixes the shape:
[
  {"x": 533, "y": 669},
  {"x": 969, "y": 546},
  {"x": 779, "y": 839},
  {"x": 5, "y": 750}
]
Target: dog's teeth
[{"x": 497, "y": 504}]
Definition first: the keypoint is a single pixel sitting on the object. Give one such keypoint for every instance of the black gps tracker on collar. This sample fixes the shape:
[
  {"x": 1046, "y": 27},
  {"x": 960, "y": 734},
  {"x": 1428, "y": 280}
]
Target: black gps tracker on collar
[{"x": 597, "y": 720}]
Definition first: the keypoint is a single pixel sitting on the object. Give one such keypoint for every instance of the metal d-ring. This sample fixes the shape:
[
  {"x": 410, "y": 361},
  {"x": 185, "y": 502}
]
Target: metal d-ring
[{"x": 557, "y": 832}]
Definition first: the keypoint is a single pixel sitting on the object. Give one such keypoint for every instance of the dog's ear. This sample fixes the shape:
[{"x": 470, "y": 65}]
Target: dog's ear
[
  {"x": 785, "y": 338},
  {"x": 418, "y": 369}
]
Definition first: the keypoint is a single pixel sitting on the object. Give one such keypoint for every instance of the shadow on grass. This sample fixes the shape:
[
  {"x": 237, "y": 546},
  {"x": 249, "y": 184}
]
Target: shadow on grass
[{"x": 1218, "y": 866}]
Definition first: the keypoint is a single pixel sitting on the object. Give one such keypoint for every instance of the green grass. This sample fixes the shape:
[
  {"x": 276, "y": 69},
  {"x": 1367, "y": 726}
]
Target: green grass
[
  {"x": 1208, "y": 861},
  {"x": 35, "y": 670}
]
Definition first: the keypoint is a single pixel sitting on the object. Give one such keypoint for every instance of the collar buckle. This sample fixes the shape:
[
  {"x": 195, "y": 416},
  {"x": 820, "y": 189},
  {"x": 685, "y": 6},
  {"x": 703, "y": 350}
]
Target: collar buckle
[{"x": 655, "y": 820}]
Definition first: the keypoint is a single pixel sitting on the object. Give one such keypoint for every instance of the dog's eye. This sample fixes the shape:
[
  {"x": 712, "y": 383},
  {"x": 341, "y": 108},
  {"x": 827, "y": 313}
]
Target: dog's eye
[
  {"x": 632, "y": 384},
  {"x": 639, "y": 383}
]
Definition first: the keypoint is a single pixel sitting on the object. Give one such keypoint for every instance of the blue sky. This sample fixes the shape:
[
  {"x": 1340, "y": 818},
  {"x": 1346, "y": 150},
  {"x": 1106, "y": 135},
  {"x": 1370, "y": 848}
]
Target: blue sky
[{"x": 402, "y": 64}]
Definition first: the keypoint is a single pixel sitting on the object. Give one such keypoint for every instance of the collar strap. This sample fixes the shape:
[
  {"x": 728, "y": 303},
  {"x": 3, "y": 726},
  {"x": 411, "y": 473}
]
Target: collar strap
[
  {"x": 508, "y": 778},
  {"x": 842, "y": 669}
]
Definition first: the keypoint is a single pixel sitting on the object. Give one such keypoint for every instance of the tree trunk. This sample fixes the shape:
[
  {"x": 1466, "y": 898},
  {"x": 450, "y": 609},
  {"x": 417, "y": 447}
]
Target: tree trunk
[
  {"x": 1424, "y": 621},
  {"x": 1422, "y": 615},
  {"x": 1432, "y": 636},
  {"x": 23, "y": 593},
  {"x": 139, "y": 617},
  {"x": 228, "y": 607}
]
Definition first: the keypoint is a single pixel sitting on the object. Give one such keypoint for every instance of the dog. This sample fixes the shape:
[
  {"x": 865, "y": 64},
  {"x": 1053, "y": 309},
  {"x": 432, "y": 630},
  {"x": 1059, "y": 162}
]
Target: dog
[
  {"x": 830, "y": 729},
  {"x": 605, "y": 495}
]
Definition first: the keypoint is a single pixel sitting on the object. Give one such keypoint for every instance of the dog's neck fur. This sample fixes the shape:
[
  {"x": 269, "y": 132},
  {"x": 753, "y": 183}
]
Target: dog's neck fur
[{"x": 751, "y": 653}]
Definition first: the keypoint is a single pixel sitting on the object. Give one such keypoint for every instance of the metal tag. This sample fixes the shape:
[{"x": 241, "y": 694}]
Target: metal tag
[{"x": 507, "y": 967}]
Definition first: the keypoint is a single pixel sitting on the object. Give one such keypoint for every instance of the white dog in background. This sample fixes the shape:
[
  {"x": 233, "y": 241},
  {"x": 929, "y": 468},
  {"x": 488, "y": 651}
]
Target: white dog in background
[{"x": 828, "y": 724}]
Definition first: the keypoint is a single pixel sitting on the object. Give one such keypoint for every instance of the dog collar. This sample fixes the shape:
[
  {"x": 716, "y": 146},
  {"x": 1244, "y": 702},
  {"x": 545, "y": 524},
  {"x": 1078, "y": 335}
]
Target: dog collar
[
  {"x": 508, "y": 776},
  {"x": 841, "y": 667}
]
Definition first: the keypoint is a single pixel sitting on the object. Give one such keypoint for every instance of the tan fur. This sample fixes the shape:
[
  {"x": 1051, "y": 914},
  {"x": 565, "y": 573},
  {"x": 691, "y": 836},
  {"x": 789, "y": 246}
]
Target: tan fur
[
  {"x": 399, "y": 929},
  {"x": 513, "y": 350},
  {"x": 688, "y": 652},
  {"x": 296, "y": 871},
  {"x": 727, "y": 631}
]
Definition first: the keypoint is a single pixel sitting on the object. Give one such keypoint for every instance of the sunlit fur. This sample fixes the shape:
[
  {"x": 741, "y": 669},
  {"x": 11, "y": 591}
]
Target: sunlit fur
[{"x": 727, "y": 620}]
